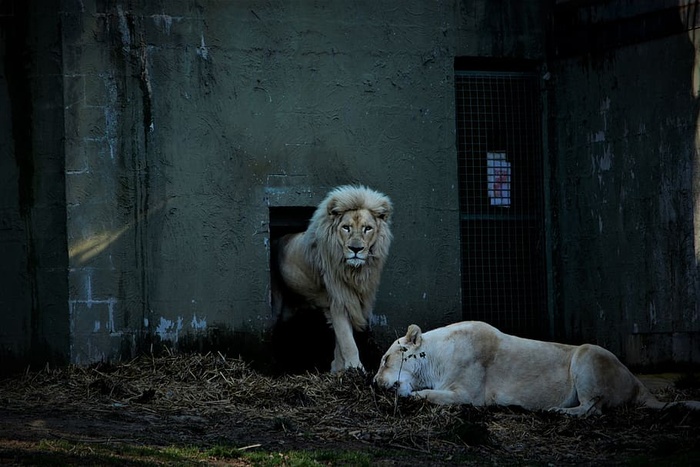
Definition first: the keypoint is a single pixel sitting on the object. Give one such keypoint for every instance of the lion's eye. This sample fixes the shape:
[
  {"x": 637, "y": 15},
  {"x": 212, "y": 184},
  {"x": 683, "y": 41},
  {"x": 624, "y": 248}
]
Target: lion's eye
[
  {"x": 367, "y": 228},
  {"x": 345, "y": 228}
]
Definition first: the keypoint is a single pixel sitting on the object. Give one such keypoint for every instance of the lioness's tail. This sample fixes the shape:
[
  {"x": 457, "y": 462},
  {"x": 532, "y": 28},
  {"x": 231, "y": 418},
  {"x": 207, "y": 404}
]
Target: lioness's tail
[
  {"x": 653, "y": 403},
  {"x": 647, "y": 399}
]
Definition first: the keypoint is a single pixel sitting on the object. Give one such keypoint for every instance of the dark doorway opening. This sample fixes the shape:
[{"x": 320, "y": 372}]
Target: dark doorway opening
[{"x": 301, "y": 338}]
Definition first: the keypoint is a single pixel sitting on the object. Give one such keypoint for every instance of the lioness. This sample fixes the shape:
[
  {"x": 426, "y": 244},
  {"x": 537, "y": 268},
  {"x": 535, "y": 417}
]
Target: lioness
[
  {"x": 474, "y": 363},
  {"x": 337, "y": 262}
]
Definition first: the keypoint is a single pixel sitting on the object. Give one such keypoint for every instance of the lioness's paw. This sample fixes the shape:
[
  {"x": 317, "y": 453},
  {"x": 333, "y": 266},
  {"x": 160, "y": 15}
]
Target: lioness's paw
[{"x": 578, "y": 411}]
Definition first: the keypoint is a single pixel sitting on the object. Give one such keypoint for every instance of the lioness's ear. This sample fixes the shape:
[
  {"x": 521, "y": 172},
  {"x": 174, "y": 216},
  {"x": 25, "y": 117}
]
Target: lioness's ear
[{"x": 413, "y": 335}]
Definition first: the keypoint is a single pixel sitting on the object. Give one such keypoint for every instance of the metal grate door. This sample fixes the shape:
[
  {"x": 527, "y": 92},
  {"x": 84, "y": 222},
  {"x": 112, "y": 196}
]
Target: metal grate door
[{"x": 501, "y": 194}]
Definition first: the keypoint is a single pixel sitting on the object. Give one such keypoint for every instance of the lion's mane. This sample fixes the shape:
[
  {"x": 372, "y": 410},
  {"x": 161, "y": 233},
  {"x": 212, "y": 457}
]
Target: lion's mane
[
  {"x": 323, "y": 251},
  {"x": 312, "y": 262}
]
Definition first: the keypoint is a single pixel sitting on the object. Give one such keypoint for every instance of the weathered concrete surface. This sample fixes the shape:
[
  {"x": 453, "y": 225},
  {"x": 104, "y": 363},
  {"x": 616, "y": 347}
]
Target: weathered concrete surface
[
  {"x": 624, "y": 180},
  {"x": 34, "y": 320},
  {"x": 148, "y": 143},
  {"x": 189, "y": 120},
  {"x": 501, "y": 29}
]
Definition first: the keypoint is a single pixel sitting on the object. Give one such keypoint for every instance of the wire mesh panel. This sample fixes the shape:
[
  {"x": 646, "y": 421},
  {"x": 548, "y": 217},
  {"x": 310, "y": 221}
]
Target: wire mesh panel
[{"x": 501, "y": 193}]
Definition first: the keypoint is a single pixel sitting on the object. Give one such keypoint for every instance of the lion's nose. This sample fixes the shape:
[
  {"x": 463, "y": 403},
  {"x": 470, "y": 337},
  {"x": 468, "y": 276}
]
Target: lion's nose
[{"x": 355, "y": 249}]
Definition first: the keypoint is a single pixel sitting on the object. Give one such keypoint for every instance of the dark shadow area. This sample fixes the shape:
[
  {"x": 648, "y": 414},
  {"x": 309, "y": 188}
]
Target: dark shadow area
[
  {"x": 300, "y": 339},
  {"x": 33, "y": 270},
  {"x": 620, "y": 92}
]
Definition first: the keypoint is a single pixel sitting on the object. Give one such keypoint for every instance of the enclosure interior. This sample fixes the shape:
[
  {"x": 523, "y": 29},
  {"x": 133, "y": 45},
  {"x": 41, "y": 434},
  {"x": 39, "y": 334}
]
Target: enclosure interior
[{"x": 501, "y": 198}]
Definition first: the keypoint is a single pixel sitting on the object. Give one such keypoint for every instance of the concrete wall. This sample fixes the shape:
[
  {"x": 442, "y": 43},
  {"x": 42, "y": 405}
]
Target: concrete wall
[
  {"x": 147, "y": 142},
  {"x": 188, "y": 120},
  {"x": 34, "y": 326},
  {"x": 624, "y": 155},
  {"x": 191, "y": 119}
]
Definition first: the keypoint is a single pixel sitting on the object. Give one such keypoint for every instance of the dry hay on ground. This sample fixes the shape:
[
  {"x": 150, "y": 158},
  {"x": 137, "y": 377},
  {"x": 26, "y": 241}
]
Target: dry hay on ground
[{"x": 209, "y": 399}]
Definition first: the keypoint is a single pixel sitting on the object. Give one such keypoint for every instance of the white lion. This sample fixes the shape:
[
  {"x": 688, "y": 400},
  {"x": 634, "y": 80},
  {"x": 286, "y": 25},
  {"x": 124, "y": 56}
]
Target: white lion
[
  {"x": 336, "y": 263},
  {"x": 474, "y": 363}
]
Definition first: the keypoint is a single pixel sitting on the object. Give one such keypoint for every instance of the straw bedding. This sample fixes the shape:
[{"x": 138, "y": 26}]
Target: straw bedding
[{"x": 209, "y": 399}]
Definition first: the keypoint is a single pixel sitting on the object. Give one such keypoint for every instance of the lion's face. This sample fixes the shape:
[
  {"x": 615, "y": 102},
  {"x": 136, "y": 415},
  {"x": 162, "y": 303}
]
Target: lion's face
[{"x": 357, "y": 232}]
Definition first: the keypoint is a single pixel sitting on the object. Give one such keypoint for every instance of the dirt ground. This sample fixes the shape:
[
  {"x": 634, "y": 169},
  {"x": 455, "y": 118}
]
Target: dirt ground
[{"x": 208, "y": 400}]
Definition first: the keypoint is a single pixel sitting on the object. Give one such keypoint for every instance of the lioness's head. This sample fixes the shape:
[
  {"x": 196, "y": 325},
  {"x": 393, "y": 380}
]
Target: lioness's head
[
  {"x": 359, "y": 223},
  {"x": 400, "y": 366}
]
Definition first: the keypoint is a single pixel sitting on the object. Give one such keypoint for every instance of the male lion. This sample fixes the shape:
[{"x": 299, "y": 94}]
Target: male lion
[
  {"x": 474, "y": 363},
  {"x": 336, "y": 263}
]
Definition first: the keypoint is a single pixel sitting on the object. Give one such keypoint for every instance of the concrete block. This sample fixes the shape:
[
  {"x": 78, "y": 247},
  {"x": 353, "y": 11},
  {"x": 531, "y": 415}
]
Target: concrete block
[{"x": 90, "y": 188}]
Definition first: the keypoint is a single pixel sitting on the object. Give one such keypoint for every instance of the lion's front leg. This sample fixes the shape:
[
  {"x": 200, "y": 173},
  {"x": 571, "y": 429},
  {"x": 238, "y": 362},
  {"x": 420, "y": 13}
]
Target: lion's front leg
[
  {"x": 338, "y": 363},
  {"x": 346, "y": 353}
]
